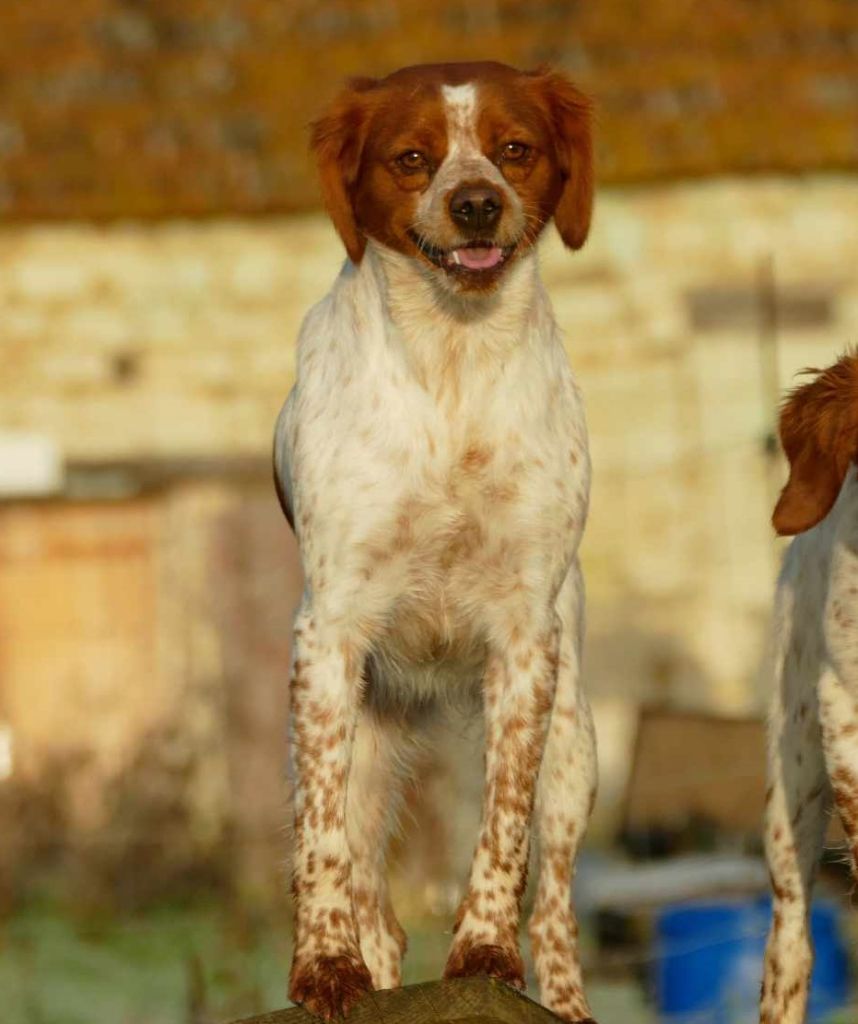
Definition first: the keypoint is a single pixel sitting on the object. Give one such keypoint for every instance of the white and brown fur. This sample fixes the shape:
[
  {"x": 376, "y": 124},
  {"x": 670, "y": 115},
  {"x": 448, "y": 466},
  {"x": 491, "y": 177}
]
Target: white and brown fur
[
  {"x": 813, "y": 735},
  {"x": 433, "y": 459}
]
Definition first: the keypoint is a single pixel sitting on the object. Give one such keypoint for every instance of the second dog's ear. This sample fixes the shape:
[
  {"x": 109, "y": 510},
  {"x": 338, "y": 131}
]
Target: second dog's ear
[
  {"x": 337, "y": 141},
  {"x": 819, "y": 434},
  {"x": 571, "y": 115}
]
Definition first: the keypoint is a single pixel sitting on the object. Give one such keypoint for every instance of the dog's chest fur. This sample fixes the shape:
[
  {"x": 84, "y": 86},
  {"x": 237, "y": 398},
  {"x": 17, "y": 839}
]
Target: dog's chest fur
[{"x": 438, "y": 471}]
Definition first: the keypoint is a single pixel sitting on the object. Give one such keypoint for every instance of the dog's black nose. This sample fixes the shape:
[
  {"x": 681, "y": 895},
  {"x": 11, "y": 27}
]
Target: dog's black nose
[{"x": 475, "y": 206}]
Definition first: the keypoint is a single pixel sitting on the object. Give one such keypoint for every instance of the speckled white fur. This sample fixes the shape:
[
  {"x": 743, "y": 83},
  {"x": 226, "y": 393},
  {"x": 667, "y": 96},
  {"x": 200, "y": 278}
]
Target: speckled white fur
[
  {"x": 813, "y": 739},
  {"x": 433, "y": 453}
]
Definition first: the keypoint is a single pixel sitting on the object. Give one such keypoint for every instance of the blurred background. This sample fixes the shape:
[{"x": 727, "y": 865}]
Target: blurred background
[{"x": 160, "y": 241}]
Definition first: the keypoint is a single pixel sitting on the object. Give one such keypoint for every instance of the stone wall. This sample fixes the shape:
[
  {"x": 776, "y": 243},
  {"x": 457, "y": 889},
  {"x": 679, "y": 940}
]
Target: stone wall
[{"x": 689, "y": 310}]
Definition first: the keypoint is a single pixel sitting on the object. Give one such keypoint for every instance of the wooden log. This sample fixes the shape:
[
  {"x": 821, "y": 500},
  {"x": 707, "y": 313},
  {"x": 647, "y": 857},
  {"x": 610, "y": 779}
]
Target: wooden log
[{"x": 464, "y": 1001}]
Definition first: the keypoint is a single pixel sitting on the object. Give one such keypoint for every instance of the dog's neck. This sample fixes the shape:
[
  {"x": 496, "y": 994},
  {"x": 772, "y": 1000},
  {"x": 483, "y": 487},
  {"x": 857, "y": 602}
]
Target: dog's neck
[{"x": 446, "y": 336}]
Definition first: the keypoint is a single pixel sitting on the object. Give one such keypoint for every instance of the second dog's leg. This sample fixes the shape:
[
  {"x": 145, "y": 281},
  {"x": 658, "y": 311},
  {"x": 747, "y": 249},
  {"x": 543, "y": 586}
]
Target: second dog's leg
[
  {"x": 838, "y": 710},
  {"x": 838, "y": 692},
  {"x": 519, "y": 687},
  {"x": 567, "y": 788},
  {"x": 796, "y": 806}
]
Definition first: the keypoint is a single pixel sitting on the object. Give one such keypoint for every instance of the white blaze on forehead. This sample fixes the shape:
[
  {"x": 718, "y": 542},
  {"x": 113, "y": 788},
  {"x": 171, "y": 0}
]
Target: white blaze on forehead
[{"x": 460, "y": 106}]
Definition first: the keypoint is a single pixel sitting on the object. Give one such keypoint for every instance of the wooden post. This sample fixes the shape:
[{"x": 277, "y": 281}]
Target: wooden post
[{"x": 467, "y": 1001}]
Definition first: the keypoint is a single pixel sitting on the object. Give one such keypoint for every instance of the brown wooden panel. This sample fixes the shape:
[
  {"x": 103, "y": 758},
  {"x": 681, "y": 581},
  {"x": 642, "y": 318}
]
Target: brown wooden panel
[
  {"x": 77, "y": 617},
  {"x": 689, "y": 766}
]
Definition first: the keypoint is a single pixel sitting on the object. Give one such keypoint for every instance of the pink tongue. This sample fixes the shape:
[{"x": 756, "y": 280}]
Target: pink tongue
[{"x": 479, "y": 258}]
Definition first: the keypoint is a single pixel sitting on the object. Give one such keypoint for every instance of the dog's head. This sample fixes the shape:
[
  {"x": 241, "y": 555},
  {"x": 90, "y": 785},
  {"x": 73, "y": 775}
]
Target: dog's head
[
  {"x": 459, "y": 166},
  {"x": 819, "y": 434}
]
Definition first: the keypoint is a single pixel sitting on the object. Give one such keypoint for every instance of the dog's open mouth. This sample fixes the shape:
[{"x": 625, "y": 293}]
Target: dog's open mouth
[{"x": 478, "y": 256}]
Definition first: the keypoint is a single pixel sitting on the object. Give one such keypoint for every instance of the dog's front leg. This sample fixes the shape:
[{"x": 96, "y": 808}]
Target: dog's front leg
[
  {"x": 519, "y": 688},
  {"x": 328, "y": 972}
]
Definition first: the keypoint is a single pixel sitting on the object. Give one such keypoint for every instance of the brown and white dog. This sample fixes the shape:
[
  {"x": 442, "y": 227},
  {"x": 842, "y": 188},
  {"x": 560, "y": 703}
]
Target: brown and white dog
[
  {"x": 433, "y": 460},
  {"x": 813, "y": 734}
]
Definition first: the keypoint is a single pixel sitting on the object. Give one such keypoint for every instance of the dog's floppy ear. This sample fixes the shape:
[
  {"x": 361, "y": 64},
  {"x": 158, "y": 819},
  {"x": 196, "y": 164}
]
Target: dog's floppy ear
[
  {"x": 819, "y": 434},
  {"x": 337, "y": 141},
  {"x": 571, "y": 118}
]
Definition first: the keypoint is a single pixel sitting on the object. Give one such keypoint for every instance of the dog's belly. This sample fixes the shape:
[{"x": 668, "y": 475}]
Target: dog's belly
[
  {"x": 408, "y": 670},
  {"x": 431, "y": 640},
  {"x": 448, "y": 570}
]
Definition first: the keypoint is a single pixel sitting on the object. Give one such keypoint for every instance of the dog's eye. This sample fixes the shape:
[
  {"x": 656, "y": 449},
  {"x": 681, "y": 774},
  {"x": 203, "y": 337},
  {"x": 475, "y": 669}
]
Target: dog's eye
[
  {"x": 514, "y": 151},
  {"x": 412, "y": 160}
]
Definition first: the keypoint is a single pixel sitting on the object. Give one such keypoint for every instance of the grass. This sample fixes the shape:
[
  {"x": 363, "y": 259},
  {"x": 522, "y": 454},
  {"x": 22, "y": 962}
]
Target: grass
[
  {"x": 175, "y": 965},
  {"x": 171, "y": 966},
  {"x": 196, "y": 964}
]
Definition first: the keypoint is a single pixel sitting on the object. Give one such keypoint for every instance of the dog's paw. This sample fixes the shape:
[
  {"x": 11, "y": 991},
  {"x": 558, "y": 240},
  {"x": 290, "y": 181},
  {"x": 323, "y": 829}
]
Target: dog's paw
[
  {"x": 329, "y": 986},
  {"x": 495, "y": 961}
]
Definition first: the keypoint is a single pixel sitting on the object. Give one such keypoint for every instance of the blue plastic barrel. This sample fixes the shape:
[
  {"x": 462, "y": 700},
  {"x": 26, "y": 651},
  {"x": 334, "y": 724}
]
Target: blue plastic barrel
[{"x": 708, "y": 961}]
